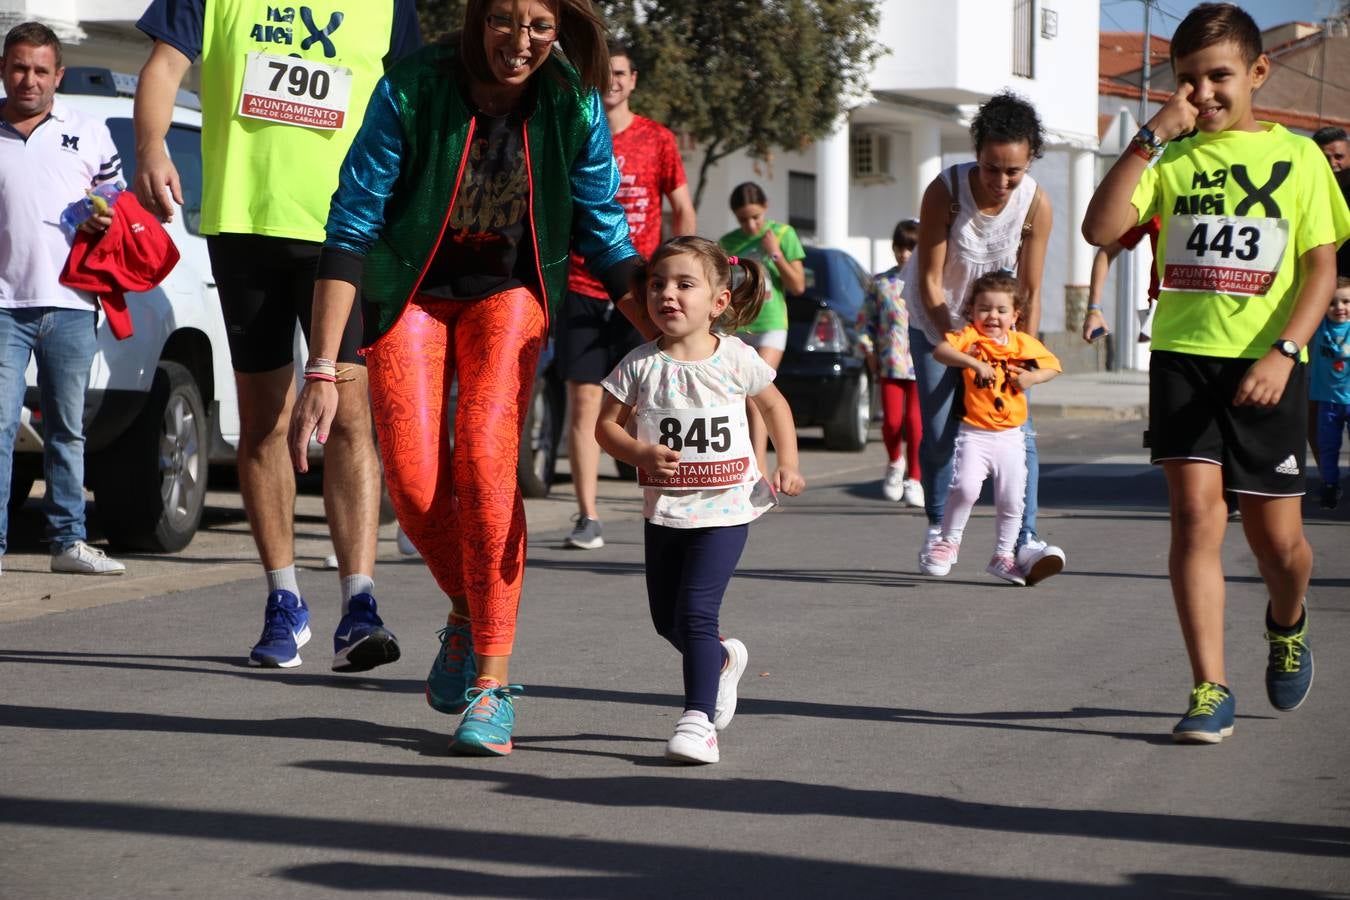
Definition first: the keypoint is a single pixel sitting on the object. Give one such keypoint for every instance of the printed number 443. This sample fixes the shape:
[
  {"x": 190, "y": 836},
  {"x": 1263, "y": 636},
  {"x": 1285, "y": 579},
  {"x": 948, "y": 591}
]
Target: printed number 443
[
  {"x": 1222, "y": 243},
  {"x": 703, "y": 435}
]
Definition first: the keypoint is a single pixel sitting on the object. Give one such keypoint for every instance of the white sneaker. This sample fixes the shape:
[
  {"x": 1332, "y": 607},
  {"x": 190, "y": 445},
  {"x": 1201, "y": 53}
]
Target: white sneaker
[
  {"x": 737, "y": 658},
  {"x": 1005, "y": 567},
  {"x": 893, "y": 485},
  {"x": 930, "y": 540},
  {"x": 1039, "y": 560},
  {"x": 81, "y": 559},
  {"x": 405, "y": 546},
  {"x": 913, "y": 493},
  {"x": 940, "y": 559},
  {"x": 694, "y": 740}
]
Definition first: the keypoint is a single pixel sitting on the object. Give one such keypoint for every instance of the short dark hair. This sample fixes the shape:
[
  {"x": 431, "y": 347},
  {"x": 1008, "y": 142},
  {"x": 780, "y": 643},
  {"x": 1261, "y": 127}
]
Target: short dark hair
[
  {"x": 34, "y": 33},
  {"x": 581, "y": 41},
  {"x": 1329, "y": 134},
  {"x": 747, "y": 193},
  {"x": 1214, "y": 23},
  {"x": 619, "y": 48},
  {"x": 906, "y": 235},
  {"x": 1000, "y": 281},
  {"x": 1006, "y": 118}
]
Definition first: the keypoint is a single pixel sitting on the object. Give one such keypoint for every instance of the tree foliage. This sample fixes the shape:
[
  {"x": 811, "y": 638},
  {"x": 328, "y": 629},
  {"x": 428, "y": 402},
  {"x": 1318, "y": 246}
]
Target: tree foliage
[{"x": 751, "y": 75}]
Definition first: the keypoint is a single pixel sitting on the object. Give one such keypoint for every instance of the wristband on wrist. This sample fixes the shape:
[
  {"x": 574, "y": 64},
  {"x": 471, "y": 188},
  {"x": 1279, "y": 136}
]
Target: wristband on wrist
[
  {"x": 321, "y": 376},
  {"x": 1094, "y": 307},
  {"x": 1147, "y": 141}
]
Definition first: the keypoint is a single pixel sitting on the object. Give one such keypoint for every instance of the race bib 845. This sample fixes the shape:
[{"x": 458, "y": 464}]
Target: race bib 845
[{"x": 714, "y": 445}]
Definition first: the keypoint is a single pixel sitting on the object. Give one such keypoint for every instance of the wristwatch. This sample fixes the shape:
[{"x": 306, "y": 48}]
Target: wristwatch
[{"x": 1287, "y": 347}]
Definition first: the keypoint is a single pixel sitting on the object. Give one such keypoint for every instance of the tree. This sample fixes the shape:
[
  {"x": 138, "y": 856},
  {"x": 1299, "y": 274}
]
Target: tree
[{"x": 752, "y": 75}]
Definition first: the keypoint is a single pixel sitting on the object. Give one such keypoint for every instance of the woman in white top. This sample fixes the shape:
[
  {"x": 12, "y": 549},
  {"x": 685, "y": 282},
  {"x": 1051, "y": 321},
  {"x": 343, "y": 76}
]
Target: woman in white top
[{"x": 976, "y": 218}]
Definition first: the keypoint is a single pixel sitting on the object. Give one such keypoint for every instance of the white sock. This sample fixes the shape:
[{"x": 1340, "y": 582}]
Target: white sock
[
  {"x": 283, "y": 580},
  {"x": 353, "y": 585}
]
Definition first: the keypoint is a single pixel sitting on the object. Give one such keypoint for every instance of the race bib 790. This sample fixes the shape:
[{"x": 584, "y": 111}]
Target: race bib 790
[
  {"x": 292, "y": 91},
  {"x": 714, "y": 446},
  {"x": 1224, "y": 254}
]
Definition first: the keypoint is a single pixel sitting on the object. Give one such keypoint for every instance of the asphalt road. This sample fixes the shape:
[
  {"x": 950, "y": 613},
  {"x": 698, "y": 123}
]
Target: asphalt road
[{"x": 897, "y": 735}]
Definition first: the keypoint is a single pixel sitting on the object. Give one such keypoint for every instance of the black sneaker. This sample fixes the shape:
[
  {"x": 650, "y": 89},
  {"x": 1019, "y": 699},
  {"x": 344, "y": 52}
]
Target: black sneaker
[
  {"x": 1331, "y": 496},
  {"x": 1289, "y": 668}
]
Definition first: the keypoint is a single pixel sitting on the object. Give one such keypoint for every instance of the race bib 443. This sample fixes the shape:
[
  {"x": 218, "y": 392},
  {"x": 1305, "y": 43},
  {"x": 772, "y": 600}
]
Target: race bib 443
[
  {"x": 714, "y": 446},
  {"x": 1224, "y": 254}
]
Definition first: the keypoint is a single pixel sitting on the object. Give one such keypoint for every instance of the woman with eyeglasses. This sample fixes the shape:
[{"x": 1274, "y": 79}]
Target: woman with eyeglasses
[
  {"x": 977, "y": 218},
  {"x": 480, "y": 161}
]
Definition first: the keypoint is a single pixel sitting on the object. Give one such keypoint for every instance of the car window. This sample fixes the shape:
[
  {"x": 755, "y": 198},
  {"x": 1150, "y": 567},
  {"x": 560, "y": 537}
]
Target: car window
[
  {"x": 185, "y": 149},
  {"x": 809, "y": 265}
]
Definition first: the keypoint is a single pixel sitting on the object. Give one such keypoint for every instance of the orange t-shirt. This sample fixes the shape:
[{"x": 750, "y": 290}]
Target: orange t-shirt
[{"x": 1003, "y": 404}]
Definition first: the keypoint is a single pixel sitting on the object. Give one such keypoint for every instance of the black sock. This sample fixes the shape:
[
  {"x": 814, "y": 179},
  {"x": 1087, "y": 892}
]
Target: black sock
[{"x": 1280, "y": 629}]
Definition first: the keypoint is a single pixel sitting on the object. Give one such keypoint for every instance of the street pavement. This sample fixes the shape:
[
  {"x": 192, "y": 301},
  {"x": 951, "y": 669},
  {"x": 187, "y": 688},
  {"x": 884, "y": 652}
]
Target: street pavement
[{"x": 897, "y": 735}]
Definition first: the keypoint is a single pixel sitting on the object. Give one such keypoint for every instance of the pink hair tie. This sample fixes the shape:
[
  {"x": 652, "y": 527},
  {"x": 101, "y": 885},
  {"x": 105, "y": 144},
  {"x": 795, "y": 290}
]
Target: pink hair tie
[{"x": 733, "y": 260}]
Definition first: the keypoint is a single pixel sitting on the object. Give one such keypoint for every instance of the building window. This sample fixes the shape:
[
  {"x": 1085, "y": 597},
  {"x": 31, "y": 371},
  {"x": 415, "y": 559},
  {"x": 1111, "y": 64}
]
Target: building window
[
  {"x": 1024, "y": 38},
  {"x": 802, "y": 202}
]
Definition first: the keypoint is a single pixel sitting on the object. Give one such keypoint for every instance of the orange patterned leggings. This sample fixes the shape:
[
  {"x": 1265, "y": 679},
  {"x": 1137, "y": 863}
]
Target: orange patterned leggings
[{"x": 462, "y": 510}]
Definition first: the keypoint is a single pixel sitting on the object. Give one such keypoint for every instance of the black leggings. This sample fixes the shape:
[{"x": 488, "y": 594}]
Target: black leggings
[{"x": 688, "y": 570}]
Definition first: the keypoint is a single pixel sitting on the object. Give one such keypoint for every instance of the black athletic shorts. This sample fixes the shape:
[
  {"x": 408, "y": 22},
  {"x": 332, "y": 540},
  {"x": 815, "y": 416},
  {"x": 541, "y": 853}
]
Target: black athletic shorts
[
  {"x": 592, "y": 338},
  {"x": 265, "y": 284},
  {"x": 1192, "y": 416}
]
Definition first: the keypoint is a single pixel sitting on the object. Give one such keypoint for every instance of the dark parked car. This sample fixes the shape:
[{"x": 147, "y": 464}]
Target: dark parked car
[{"x": 823, "y": 374}]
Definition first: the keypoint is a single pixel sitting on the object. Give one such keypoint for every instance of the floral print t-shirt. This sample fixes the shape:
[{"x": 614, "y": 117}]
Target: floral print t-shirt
[
  {"x": 883, "y": 326},
  {"x": 647, "y": 379}
]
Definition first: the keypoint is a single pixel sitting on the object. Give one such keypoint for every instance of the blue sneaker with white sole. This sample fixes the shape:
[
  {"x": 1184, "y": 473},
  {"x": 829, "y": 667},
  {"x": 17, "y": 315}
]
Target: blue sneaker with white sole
[
  {"x": 486, "y": 727},
  {"x": 1210, "y": 717},
  {"x": 361, "y": 641},
  {"x": 454, "y": 670},
  {"x": 285, "y": 631},
  {"x": 1289, "y": 667}
]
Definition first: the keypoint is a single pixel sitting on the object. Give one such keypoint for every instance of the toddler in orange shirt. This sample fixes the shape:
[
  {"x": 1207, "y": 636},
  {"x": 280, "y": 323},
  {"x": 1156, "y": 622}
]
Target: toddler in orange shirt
[{"x": 999, "y": 364}]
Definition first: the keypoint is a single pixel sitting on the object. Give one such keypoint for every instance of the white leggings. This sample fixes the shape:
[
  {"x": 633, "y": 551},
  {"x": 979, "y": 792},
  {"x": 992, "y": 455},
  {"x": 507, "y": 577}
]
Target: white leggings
[{"x": 980, "y": 453}]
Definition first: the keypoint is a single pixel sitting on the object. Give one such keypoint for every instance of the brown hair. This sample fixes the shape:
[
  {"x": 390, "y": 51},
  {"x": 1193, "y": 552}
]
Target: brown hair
[
  {"x": 906, "y": 235},
  {"x": 747, "y": 193},
  {"x": 747, "y": 293},
  {"x": 1342, "y": 281},
  {"x": 36, "y": 34},
  {"x": 1214, "y": 23},
  {"x": 999, "y": 282},
  {"x": 581, "y": 40}
]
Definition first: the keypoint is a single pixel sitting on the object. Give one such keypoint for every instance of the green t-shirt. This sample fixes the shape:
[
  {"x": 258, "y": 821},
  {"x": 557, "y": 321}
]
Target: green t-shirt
[
  {"x": 263, "y": 176},
  {"x": 1238, "y": 210},
  {"x": 773, "y": 315}
]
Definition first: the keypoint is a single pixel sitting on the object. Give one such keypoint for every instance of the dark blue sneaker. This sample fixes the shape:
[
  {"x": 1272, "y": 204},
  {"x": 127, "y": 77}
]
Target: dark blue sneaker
[
  {"x": 361, "y": 641},
  {"x": 285, "y": 631},
  {"x": 1210, "y": 718},
  {"x": 486, "y": 727},
  {"x": 1289, "y": 669},
  {"x": 453, "y": 671}
]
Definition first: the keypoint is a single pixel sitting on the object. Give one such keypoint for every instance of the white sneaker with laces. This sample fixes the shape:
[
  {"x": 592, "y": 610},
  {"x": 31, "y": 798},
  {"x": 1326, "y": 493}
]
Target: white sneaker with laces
[
  {"x": 1039, "y": 560},
  {"x": 929, "y": 541},
  {"x": 81, "y": 559},
  {"x": 893, "y": 485},
  {"x": 940, "y": 559},
  {"x": 585, "y": 534},
  {"x": 694, "y": 740},
  {"x": 913, "y": 493},
  {"x": 1005, "y": 567},
  {"x": 405, "y": 546},
  {"x": 737, "y": 658}
]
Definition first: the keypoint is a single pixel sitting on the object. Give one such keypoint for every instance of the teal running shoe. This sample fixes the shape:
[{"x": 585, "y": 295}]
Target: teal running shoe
[
  {"x": 1210, "y": 718},
  {"x": 486, "y": 727},
  {"x": 453, "y": 671},
  {"x": 1289, "y": 668}
]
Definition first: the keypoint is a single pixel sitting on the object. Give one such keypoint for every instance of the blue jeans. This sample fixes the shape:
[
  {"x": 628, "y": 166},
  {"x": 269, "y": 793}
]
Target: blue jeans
[
  {"x": 1332, "y": 419},
  {"x": 939, "y": 387},
  {"x": 63, "y": 341}
]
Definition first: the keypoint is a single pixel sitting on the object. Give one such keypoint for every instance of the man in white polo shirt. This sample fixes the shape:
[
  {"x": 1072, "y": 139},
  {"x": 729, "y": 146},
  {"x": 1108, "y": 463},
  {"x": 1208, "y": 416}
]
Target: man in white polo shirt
[{"x": 50, "y": 156}]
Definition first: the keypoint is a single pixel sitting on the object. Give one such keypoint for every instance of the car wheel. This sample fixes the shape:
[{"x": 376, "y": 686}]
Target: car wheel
[
  {"x": 150, "y": 484},
  {"x": 848, "y": 430},
  {"x": 539, "y": 439}
]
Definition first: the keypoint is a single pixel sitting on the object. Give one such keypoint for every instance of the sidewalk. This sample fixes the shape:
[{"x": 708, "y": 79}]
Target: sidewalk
[{"x": 1093, "y": 395}]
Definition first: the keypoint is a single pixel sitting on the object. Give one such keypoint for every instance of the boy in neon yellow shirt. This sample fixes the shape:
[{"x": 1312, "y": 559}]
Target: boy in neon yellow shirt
[{"x": 1247, "y": 256}]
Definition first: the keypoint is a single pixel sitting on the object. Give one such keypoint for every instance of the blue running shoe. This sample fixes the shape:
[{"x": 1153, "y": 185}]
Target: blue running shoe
[
  {"x": 486, "y": 727},
  {"x": 1210, "y": 718},
  {"x": 285, "y": 631},
  {"x": 1289, "y": 669},
  {"x": 453, "y": 671},
  {"x": 361, "y": 641}
]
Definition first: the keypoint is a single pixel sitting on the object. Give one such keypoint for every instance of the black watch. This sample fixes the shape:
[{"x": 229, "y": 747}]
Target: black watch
[{"x": 1287, "y": 347}]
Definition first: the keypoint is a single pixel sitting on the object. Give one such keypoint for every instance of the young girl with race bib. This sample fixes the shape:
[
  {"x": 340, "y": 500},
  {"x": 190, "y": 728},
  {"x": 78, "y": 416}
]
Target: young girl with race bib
[
  {"x": 999, "y": 364},
  {"x": 675, "y": 408}
]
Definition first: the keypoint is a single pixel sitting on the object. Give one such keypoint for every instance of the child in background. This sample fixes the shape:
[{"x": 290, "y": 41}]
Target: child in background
[
  {"x": 1251, "y": 218},
  {"x": 998, "y": 364},
  {"x": 883, "y": 332},
  {"x": 1329, "y": 354},
  {"x": 686, "y": 392}
]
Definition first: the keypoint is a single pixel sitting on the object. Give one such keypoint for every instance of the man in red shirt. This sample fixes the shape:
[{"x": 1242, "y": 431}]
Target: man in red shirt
[{"x": 591, "y": 338}]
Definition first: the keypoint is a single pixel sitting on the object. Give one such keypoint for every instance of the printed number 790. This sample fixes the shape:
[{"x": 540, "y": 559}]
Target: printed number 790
[
  {"x": 301, "y": 82},
  {"x": 697, "y": 437}
]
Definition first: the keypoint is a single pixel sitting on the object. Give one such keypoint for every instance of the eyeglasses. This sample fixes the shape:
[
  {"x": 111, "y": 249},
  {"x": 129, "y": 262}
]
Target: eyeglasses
[{"x": 540, "y": 32}]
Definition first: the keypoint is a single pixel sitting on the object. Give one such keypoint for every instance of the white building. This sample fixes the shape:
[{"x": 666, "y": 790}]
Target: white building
[
  {"x": 93, "y": 32},
  {"x": 944, "y": 60}
]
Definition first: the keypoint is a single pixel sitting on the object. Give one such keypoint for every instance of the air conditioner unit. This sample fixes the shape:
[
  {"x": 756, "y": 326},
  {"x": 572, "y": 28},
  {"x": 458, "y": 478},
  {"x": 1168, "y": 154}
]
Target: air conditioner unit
[{"x": 871, "y": 154}]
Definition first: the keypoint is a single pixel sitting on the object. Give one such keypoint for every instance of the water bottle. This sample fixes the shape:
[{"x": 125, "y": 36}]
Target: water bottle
[{"x": 101, "y": 198}]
